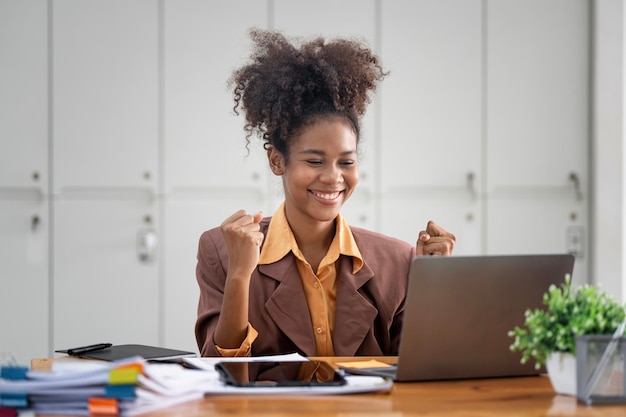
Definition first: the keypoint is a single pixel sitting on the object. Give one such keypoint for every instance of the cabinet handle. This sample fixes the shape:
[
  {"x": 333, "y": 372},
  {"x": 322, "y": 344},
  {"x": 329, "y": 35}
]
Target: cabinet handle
[
  {"x": 471, "y": 184},
  {"x": 459, "y": 190},
  {"x": 35, "y": 221},
  {"x": 147, "y": 240},
  {"x": 572, "y": 186},
  {"x": 573, "y": 178}
]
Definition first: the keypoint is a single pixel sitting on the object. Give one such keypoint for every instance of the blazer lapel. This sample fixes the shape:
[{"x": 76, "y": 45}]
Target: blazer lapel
[
  {"x": 288, "y": 306},
  {"x": 354, "y": 314}
]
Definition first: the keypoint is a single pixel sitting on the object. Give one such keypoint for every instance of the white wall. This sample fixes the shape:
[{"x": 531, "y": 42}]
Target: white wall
[{"x": 608, "y": 151}]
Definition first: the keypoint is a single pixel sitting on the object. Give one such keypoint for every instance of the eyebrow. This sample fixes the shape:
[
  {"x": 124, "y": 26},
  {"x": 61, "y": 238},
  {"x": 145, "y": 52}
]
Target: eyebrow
[{"x": 322, "y": 153}]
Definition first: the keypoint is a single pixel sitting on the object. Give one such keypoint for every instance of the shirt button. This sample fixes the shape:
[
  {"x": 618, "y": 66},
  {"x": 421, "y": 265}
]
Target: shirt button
[
  {"x": 316, "y": 285},
  {"x": 319, "y": 330}
]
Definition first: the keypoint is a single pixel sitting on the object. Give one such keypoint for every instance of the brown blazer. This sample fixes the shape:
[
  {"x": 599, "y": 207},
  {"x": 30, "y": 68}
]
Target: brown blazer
[{"x": 369, "y": 305}]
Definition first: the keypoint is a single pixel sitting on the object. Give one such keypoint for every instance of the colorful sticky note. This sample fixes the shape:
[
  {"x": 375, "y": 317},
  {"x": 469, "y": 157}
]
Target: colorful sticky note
[
  {"x": 8, "y": 412},
  {"x": 363, "y": 364},
  {"x": 13, "y": 372},
  {"x": 107, "y": 406},
  {"x": 120, "y": 391},
  {"x": 123, "y": 376},
  {"x": 13, "y": 400}
]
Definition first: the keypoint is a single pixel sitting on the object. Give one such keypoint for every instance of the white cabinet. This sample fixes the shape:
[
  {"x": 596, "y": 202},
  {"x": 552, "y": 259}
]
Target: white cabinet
[
  {"x": 204, "y": 142},
  {"x": 482, "y": 125},
  {"x": 208, "y": 172},
  {"x": 104, "y": 290},
  {"x": 537, "y": 61},
  {"x": 537, "y": 116},
  {"x": 105, "y": 83},
  {"x": 24, "y": 222},
  {"x": 431, "y": 119},
  {"x": 23, "y": 96},
  {"x": 485, "y": 124},
  {"x": 24, "y": 304},
  {"x": 105, "y": 136}
]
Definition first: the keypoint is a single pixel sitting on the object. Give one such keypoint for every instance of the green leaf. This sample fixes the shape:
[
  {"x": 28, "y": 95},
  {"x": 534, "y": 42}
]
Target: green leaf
[{"x": 568, "y": 313}]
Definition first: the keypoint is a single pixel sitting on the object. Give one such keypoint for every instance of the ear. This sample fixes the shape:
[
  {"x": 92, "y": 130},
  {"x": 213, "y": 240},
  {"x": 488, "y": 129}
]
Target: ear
[{"x": 276, "y": 161}]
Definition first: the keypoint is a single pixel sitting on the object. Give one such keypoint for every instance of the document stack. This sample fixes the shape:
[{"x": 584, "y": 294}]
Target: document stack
[{"x": 77, "y": 387}]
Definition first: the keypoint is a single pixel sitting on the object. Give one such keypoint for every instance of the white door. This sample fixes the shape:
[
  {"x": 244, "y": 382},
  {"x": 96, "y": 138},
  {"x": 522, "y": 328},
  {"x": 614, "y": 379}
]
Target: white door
[
  {"x": 106, "y": 281},
  {"x": 431, "y": 120},
  {"x": 208, "y": 173},
  {"x": 106, "y": 100},
  {"x": 105, "y": 79},
  {"x": 24, "y": 222},
  {"x": 24, "y": 305},
  {"x": 538, "y": 128}
]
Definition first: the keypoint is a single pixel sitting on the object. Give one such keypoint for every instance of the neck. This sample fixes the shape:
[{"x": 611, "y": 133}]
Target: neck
[{"x": 313, "y": 238}]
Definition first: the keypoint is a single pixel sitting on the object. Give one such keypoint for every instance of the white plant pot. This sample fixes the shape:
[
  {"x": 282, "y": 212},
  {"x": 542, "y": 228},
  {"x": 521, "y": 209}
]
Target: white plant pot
[{"x": 562, "y": 372}]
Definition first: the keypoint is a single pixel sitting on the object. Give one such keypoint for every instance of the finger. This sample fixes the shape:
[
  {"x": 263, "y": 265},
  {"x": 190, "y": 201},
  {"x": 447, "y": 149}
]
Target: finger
[
  {"x": 242, "y": 218},
  {"x": 434, "y": 229},
  {"x": 422, "y": 238},
  {"x": 258, "y": 217},
  {"x": 235, "y": 216},
  {"x": 439, "y": 246}
]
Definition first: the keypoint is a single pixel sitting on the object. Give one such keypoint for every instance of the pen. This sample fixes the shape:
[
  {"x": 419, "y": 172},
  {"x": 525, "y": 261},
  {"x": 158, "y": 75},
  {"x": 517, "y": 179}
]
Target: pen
[{"x": 90, "y": 348}]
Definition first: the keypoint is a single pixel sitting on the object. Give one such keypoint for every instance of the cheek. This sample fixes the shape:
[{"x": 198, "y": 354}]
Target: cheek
[
  {"x": 352, "y": 178},
  {"x": 300, "y": 180}
]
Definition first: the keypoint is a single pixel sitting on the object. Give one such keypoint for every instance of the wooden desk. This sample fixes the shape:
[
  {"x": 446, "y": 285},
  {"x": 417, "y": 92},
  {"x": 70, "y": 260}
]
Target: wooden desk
[{"x": 524, "y": 396}]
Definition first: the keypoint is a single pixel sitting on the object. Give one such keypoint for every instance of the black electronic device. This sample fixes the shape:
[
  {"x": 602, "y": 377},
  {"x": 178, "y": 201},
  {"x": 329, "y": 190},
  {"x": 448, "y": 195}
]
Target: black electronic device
[{"x": 282, "y": 374}]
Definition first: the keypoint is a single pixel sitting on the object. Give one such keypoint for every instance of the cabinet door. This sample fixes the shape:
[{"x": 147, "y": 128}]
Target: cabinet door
[
  {"x": 538, "y": 127},
  {"x": 187, "y": 219},
  {"x": 431, "y": 116},
  {"x": 24, "y": 225},
  {"x": 24, "y": 96},
  {"x": 205, "y": 149},
  {"x": 208, "y": 172},
  {"x": 405, "y": 215},
  {"x": 538, "y": 94},
  {"x": 24, "y": 306},
  {"x": 106, "y": 272},
  {"x": 106, "y": 100},
  {"x": 540, "y": 224}
]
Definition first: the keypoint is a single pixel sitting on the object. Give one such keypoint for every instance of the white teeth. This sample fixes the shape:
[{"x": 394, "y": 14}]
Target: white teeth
[{"x": 327, "y": 196}]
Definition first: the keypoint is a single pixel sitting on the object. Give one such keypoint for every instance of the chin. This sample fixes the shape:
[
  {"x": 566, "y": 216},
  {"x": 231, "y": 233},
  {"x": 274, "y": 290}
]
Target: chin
[{"x": 326, "y": 215}]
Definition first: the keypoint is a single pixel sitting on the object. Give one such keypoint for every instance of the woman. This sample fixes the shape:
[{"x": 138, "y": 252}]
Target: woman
[{"x": 303, "y": 280}]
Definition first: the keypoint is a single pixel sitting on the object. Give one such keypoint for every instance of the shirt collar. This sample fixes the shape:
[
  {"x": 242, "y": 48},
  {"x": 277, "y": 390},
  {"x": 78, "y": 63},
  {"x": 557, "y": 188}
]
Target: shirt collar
[{"x": 279, "y": 241}]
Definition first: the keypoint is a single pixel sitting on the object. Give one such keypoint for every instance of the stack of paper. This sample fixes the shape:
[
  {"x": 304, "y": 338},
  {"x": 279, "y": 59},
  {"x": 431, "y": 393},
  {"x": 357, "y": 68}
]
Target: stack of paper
[
  {"x": 135, "y": 386},
  {"x": 126, "y": 388}
]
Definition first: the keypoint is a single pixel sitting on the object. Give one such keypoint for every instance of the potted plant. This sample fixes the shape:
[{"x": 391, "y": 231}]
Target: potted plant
[{"x": 549, "y": 335}]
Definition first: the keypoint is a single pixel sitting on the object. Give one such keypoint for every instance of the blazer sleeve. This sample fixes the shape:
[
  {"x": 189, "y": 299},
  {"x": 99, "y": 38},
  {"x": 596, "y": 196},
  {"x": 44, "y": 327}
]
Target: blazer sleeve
[{"x": 211, "y": 277}]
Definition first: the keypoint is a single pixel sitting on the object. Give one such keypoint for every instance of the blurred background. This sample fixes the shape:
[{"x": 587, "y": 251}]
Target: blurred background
[{"x": 502, "y": 120}]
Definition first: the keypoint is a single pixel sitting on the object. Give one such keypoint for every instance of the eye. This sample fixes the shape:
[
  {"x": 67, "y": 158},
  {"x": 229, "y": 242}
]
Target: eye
[
  {"x": 347, "y": 162},
  {"x": 314, "y": 161}
]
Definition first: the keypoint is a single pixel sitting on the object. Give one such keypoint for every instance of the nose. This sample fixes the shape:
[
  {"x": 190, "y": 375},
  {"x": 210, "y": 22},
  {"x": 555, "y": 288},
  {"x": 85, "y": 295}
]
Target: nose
[{"x": 331, "y": 175}]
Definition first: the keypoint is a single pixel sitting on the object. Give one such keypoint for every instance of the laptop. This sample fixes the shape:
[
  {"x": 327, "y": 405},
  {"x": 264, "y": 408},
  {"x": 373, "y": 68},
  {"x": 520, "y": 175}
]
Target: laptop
[{"x": 459, "y": 310}]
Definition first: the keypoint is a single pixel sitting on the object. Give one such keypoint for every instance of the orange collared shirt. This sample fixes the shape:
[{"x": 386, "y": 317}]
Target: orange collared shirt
[{"x": 320, "y": 287}]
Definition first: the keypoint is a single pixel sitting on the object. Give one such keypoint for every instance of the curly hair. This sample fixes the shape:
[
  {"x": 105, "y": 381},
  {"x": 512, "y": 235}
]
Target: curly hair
[{"x": 287, "y": 86}]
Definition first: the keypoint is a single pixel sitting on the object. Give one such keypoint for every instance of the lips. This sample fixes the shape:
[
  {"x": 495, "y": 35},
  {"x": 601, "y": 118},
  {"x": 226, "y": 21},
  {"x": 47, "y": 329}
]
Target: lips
[{"x": 326, "y": 195}]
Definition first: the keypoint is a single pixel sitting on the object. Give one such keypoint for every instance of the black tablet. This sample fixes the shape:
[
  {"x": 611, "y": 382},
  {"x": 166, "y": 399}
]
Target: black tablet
[{"x": 284, "y": 374}]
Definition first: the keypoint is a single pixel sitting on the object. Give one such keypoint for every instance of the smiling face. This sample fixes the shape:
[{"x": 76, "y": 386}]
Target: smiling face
[{"x": 320, "y": 173}]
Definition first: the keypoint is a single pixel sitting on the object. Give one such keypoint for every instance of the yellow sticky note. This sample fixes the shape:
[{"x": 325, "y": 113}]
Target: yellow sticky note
[
  {"x": 123, "y": 376},
  {"x": 372, "y": 363}
]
